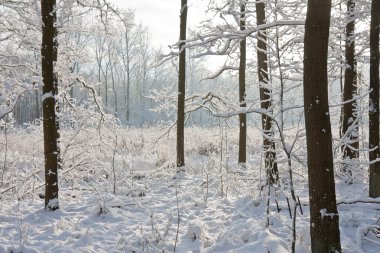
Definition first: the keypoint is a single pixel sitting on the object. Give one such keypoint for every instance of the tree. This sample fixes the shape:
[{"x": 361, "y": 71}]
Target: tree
[
  {"x": 374, "y": 168},
  {"x": 350, "y": 87},
  {"x": 242, "y": 116},
  {"x": 143, "y": 67},
  {"x": 112, "y": 67},
  {"x": 265, "y": 95},
  {"x": 324, "y": 217},
  {"x": 129, "y": 44},
  {"x": 50, "y": 90},
  {"x": 181, "y": 87}
]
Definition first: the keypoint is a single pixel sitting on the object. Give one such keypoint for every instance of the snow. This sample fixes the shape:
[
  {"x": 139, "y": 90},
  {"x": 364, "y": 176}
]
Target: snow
[
  {"x": 143, "y": 214},
  {"x": 324, "y": 212},
  {"x": 372, "y": 106},
  {"x": 47, "y": 95}
]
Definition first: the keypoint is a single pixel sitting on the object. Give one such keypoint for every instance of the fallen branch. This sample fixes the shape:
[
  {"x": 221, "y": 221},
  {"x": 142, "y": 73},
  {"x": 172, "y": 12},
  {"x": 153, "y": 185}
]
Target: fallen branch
[{"x": 354, "y": 201}]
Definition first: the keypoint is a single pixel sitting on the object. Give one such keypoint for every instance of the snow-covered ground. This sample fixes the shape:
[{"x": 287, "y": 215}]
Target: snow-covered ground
[{"x": 212, "y": 206}]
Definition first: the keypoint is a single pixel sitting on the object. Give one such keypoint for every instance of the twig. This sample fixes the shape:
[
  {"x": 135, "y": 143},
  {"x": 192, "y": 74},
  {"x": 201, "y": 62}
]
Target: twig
[
  {"x": 373, "y": 241},
  {"x": 299, "y": 204},
  {"x": 290, "y": 211},
  {"x": 358, "y": 201}
]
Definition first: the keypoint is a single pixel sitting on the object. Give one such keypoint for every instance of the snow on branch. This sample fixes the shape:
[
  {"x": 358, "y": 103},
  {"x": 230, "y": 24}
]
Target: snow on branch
[
  {"x": 11, "y": 92},
  {"x": 220, "y": 36},
  {"x": 8, "y": 109},
  {"x": 219, "y": 72}
]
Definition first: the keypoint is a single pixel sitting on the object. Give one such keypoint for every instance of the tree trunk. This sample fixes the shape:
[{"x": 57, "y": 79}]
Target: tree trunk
[
  {"x": 37, "y": 107},
  {"x": 99, "y": 48},
  {"x": 324, "y": 217},
  {"x": 242, "y": 116},
  {"x": 374, "y": 168},
  {"x": 99, "y": 81},
  {"x": 128, "y": 102},
  {"x": 113, "y": 82},
  {"x": 106, "y": 86},
  {"x": 127, "y": 85},
  {"x": 265, "y": 96},
  {"x": 50, "y": 90},
  {"x": 181, "y": 87},
  {"x": 350, "y": 86}
]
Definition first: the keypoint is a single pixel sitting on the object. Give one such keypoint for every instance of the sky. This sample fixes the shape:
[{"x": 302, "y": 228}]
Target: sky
[{"x": 162, "y": 17}]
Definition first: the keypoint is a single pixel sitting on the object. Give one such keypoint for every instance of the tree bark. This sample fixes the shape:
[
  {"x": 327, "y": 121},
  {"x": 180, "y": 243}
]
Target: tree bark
[
  {"x": 242, "y": 116},
  {"x": 324, "y": 217},
  {"x": 181, "y": 87},
  {"x": 374, "y": 168},
  {"x": 350, "y": 86},
  {"x": 265, "y": 95},
  {"x": 50, "y": 90}
]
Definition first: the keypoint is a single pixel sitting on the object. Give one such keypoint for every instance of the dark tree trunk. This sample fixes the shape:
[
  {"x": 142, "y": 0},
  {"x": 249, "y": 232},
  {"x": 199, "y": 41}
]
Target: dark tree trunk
[
  {"x": 72, "y": 71},
  {"x": 242, "y": 116},
  {"x": 50, "y": 89},
  {"x": 324, "y": 217},
  {"x": 265, "y": 95},
  {"x": 374, "y": 168},
  {"x": 37, "y": 107},
  {"x": 181, "y": 87},
  {"x": 350, "y": 86}
]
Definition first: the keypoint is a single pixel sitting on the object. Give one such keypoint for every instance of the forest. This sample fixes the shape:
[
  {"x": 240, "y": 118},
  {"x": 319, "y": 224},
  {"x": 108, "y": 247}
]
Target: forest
[{"x": 256, "y": 131}]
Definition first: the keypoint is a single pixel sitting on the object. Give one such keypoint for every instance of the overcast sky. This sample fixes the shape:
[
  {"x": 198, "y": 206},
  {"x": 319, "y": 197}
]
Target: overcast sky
[{"x": 162, "y": 17}]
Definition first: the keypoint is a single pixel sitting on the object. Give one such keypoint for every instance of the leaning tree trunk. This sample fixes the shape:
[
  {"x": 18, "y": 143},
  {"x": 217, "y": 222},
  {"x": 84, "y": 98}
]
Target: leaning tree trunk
[
  {"x": 374, "y": 168},
  {"x": 350, "y": 87},
  {"x": 181, "y": 87},
  {"x": 265, "y": 96},
  {"x": 50, "y": 89},
  {"x": 324, "y": 217},
  {"x": 242, "y": 116}
]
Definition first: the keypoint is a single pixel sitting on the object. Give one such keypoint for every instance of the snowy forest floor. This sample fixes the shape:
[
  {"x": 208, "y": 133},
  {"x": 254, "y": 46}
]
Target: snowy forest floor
[{"x": 124, "y": 195}]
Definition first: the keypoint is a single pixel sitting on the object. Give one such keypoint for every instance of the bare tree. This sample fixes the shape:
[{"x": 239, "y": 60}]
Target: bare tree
[
  {"x": 324, "y": 217},
  {"x": 265, "y": 95},
  {"x": 242, "y": 116},
  {"x": 143, "y": 68},
  {"x": 129, "y": 44},
  {"x": 181, "y": 87},
  {"x": 350, "y": 150},
  {"x": 50, "y": 90},
  {"x": 99, "y": 47},
  {"x": 374, "y": 168},
  {"x": 112, "y": 67}
]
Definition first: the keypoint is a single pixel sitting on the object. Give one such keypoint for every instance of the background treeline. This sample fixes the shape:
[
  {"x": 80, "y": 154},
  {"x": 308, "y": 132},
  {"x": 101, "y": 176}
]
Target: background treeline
[{"x": 107, "y": 48}]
